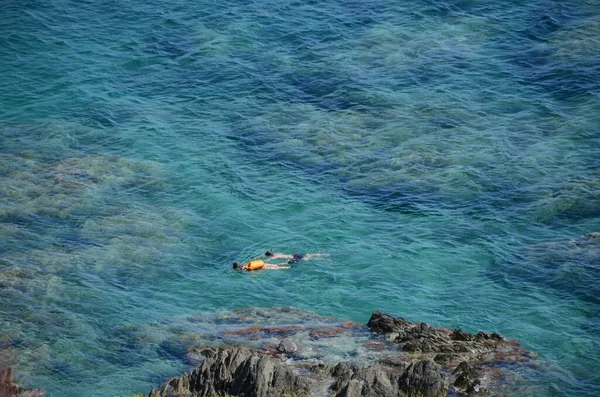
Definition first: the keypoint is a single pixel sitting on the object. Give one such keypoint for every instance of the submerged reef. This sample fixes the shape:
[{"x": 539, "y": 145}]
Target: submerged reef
[
  {"x": 36, "y": 188},
  {"x": 569, "y": 267},
  {"x": 575, "y": 199},
  {"x": 66, "y": 220},
  {"x": 321, "y": 356}
]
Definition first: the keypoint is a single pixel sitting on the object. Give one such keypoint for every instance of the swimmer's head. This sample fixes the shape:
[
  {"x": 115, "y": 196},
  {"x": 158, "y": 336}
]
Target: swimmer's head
[
  {"x": 269, "y": 252},
  {"x": 237, "y": 265}
]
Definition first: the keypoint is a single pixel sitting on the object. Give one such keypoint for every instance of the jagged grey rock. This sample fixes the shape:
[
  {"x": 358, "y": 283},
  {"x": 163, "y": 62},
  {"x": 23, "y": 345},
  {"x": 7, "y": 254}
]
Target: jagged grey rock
[
  {"x": 423, "y": 379},
  {"x": 420, "y": 338},
  {"x": 352, "y": 388},
  {"x": 467, "y": 378},
  {"x": 287, "y": 346},
  {"x": 420, "y": 379},
  {"x": 237, "y": 372},
  {"x": 383, "y": 322}
]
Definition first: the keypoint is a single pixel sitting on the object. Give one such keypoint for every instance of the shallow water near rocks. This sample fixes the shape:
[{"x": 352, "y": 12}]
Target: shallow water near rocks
[{"x": 444, "y": 154}]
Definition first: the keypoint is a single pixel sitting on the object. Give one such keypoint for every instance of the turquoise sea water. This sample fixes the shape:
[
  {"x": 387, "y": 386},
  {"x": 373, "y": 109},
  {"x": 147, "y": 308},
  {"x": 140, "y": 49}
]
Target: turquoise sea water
[{"x": 443, "y": 153}]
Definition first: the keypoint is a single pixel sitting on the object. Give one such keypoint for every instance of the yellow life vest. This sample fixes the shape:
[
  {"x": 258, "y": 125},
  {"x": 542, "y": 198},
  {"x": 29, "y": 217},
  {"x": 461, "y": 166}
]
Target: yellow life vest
[{"x": 255, "y": 265}]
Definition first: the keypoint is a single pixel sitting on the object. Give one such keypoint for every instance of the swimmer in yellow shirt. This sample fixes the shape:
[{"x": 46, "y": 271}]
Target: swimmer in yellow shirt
[{"x": 258, "y": 265}]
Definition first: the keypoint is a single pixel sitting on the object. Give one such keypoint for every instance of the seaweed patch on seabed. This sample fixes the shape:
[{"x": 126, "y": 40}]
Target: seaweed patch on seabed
[
  {"x": 575, "y": 198},
  {"x": 563, "y": 47},
  {"x": 127, "y": 244},
  {"x": 61, "y": 216},
  {"x": 341, "y": 143},
  {"x": 70, "y": 186},
  {"x": 396, "y": 166},
  {"x": 36, "y": 195},
  {"x": 18, "y": 350}
]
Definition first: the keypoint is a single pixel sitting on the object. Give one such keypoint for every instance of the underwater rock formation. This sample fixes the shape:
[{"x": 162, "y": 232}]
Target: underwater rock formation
[{"x": 569, "y": 266}]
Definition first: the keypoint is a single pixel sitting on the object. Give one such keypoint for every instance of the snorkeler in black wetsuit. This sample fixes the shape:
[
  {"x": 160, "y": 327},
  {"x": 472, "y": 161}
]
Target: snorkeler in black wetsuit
[{"x": 296, "y": 258}]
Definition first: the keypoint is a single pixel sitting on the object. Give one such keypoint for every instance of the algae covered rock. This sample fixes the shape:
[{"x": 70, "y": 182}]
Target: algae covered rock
[
  {"x": 571, "y": 266},
  {"x": 273, "y": 354}
]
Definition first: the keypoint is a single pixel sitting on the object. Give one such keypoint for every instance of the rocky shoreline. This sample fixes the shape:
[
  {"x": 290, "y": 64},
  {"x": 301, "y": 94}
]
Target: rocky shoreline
[
  {"x": 409, "y": 360},
  {"x": 259, "y": 352}
]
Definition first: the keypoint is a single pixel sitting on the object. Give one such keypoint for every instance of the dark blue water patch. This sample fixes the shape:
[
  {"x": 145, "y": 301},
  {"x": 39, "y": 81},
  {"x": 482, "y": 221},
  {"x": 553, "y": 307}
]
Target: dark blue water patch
[
  {"x": 92, "y": 113},
  {"x": 327, "y": 90},
  {"x": 123, "y": 355},
  {"x": 324, "y": 88},
  {"x": 535, "y": 53},
  {"x": 19, "y": 219},
  {"x": 592, "y": 325},
  {"x": 449, "y": 9},
  {"x": 74, "y": 373},
  {"x": 399, "y": 197},
  {"x": 171, "y": 46},
  {"x": 201, "y": 74},
  {"x": 571, "y": 83},
  {"x": 392, "y": 198},
  {"x": 59, "y": 368},
  {"x": 361, "y": 14},
  {"x": 40, "y": 225},
  {"x": 122, "y": 347},
  {"x": 19, "y": 343},
  {"x": 570, "y": 267},
  {"x": 329, "y": 20},
  {"x": 409, "y": 195},
  {"x": 172, "y": 350},
  {"x": 540, "y": 27},
  {"x": 73, "y": 241}
]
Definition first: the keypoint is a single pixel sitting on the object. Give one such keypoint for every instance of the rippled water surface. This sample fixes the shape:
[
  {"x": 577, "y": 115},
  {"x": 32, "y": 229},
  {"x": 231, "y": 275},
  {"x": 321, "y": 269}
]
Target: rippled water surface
[{"x": 445, "y": 154}]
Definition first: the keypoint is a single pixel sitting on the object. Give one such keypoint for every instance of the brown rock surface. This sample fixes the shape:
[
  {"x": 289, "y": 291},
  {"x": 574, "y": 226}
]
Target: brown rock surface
[{"x": 8, "y": 388}]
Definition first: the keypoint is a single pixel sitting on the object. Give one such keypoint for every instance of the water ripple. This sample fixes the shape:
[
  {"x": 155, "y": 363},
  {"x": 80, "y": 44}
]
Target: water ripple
[{"x": 444, "y": 153}]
